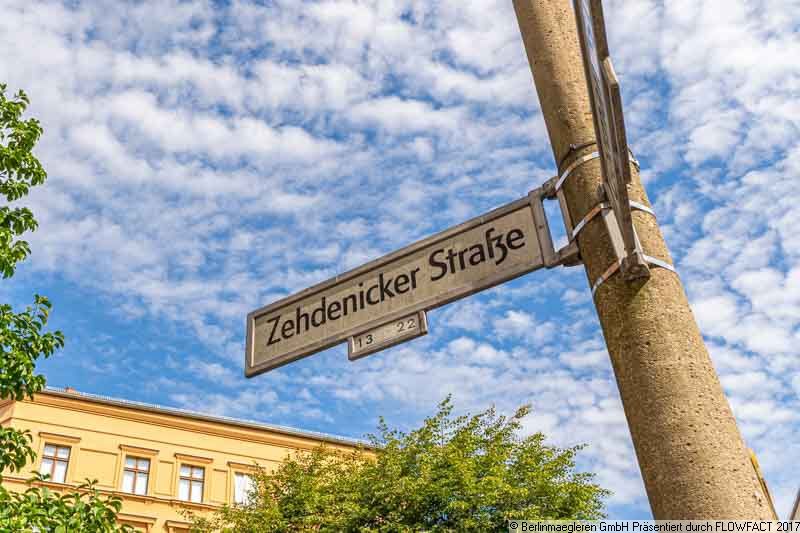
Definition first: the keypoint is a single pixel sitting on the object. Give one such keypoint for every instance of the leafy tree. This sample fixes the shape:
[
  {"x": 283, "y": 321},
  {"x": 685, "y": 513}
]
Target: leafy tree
[
  {"x": 41, "y": 509},
  {"x": 465, "y": 473},
  {"x": 23, "y": 340}
]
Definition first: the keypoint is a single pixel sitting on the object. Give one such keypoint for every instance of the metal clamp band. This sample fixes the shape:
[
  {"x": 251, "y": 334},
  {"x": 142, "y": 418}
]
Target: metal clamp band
[
  {"x": 574, "y": 148},
  {"x": 615, "y": 267},
  {"x": 655, "y": 261},
  {"x": 572, "y": 166},
  {"x": 581, "y": 160},
  {"x": 605, "y": 275},
  {"x": 641, "y": 207},
  {"x": 633, "y": 159},
  {"x": 596, "y": 210}
]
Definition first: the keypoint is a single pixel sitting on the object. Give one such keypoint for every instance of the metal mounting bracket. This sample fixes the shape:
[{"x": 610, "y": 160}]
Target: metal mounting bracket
[
  {"x": 632, "y": 259},
  {"x": 617, "y": 242},
  {"x": 569, "y": 254}
]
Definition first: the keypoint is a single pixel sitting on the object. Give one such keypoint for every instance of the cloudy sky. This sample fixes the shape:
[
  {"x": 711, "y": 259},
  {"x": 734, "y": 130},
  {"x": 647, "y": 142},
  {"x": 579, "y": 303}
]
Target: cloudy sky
[{"x": 207, "y": 158}]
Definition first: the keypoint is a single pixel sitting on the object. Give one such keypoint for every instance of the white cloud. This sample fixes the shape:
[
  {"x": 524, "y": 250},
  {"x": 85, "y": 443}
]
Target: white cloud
[
  {"x": 522, "y": 325},
  {"x": 396, "y": 115},
  {"x": 205, "y": 160}
]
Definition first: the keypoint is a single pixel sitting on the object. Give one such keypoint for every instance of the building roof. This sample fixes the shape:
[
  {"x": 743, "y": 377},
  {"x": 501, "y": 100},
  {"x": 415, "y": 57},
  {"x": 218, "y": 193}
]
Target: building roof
[
  {"x": 795, "y": 514},
  {"x": 186, "y": 413}
]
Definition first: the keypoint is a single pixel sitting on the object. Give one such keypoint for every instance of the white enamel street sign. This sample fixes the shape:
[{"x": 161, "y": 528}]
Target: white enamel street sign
[
  {"x": 609, "y": 126},
  {"x": 473, "y": 256}
]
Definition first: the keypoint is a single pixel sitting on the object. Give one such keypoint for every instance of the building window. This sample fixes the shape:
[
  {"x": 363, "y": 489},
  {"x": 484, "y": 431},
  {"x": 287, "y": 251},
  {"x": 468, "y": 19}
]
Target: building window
[
  {"x": 55, "y": 460},
  {"x": 135, "y": 475},
  {"x": 190, "y": 488},
  {"x": 242, "y": 488}
]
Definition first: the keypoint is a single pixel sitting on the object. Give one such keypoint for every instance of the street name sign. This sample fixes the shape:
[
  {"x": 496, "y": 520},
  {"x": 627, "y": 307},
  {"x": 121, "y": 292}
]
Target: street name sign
[
  {"x": 476, "y": 255},
  {"x": 609, "y": 126}
]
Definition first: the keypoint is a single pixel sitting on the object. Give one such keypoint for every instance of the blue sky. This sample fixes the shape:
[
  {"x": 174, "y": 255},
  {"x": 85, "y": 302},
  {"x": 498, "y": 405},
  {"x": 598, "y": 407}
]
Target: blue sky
[{"x": 206, "y": 159}]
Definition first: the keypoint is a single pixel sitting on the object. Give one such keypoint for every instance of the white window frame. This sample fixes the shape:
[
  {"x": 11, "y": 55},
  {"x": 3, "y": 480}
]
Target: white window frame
[
  {"x": 243, "y": 499},
  {"x": 191, "y": 479},
  {"x": 136, "y": 471},
  {"x": 54, "y": 460}
]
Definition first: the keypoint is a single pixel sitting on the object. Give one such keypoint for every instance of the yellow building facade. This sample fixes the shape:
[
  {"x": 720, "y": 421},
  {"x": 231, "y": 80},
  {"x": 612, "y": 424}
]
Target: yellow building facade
[{"x": 158, "y": 460}]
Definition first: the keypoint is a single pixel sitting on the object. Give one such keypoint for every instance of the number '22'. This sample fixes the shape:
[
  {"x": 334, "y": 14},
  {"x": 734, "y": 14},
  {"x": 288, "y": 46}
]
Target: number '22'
[{"x": 406, "y": 324}]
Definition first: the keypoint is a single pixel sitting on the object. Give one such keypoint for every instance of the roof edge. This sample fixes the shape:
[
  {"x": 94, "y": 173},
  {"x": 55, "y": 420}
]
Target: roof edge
[{"x": 196, "y": 415}]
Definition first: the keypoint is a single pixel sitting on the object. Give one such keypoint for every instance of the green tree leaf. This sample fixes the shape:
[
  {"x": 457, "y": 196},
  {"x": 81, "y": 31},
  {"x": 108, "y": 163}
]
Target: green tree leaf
[
  {"x": 454, "y": 473},
  {"x": 23, "y": 341}
]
